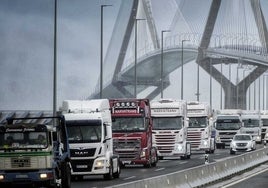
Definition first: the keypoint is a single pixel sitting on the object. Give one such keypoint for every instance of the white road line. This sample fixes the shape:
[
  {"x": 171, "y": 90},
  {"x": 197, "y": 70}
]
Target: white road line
[
  {"x": 131, "y": 177},
  {"x": 159, "y": 169},
  {"x": 183, "y": 162}
]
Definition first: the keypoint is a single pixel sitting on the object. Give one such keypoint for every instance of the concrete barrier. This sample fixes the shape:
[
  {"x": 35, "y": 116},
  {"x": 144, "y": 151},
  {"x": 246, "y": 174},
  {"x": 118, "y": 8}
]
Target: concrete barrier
[{"x": 204, "y": 174}]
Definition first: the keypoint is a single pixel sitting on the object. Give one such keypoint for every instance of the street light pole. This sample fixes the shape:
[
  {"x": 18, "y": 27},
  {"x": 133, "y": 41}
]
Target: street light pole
[
  {"x": 161, "y": 72},
  {"x": 101, "y": 51},
  {"x": 266, "y": 92},
  {"x": 182, "y": 67},
  {"x": 55, "y": 64},
  {"x": 210, "y": 83},
  {"x": 221, "y": 87},
  {"x": 135, "y": 69},
  {"x": 197, "y": 90}
]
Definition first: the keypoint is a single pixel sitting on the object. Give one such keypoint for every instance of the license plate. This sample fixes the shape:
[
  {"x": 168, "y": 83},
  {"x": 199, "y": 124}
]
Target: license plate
[
  {"x": 22, "y": 176},
  {"x": 81, "y": 166},
  {"x": 126, "y": 162}
]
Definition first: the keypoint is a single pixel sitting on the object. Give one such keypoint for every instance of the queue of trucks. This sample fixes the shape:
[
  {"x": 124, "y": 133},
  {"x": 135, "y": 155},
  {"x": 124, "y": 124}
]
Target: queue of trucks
[{"x": 100, "y": 136}]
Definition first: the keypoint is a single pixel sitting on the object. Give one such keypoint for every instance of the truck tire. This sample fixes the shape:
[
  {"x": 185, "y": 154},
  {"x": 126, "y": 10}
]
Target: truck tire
[
  {"x": 65, "y": 176},
  {"x": 117, "y": 173},
  {"x": 109, "y": 175}
]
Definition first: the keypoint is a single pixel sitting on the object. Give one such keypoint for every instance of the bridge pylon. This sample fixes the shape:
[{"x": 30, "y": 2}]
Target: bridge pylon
[{"x": 235, "y": 95}]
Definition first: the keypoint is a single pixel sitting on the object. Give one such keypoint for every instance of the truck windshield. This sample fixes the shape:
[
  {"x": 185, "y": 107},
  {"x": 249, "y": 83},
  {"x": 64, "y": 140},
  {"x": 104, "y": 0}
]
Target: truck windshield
[
  {"x": 198, "y": 122},
  {"x": 265, "y": 122},
  {"x": 84, "y": 131},
  {"x": 128, "y": 124},
  {"x": 251, "y": 122},
  {"x": 167, "y": 123},
  {"x": 228, "y": 124},
  {"x": 23, "y": 140}
]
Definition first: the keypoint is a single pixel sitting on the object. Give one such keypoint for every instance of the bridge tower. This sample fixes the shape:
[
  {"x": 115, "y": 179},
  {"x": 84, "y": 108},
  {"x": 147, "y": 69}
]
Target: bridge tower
[
  {"x": 122, "y": 82},
  {"x": 235, "y": 94}
]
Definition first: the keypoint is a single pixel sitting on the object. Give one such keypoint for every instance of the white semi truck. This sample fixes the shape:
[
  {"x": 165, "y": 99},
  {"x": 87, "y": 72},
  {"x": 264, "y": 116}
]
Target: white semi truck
[
  {"x": 227, "y": 123},
  {"x": 170, "y": 125},
  {"x": 89, "y": 127},
  {"x": 199, "y": 132},
  {"x": 252, "y": 124},
  {"x": 264, "y": 129}
]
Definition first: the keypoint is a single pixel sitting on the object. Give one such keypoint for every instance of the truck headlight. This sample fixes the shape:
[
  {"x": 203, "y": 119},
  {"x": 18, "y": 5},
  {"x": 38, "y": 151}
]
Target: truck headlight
[
  {"x": 232, "y": 145},
  {"x": 218, "y": 139},
  {"x": 2, "y": 177},
  {"x": 43, "y": 176},
  {"x": 99, "y": 164},
  {"x": 179, "y": 147},
  {"x": 258, "y": 138},
  {"x": 46, "y": 175},
  {"x": 143, "y": 154},
  {"x": 204, "y": 142}
]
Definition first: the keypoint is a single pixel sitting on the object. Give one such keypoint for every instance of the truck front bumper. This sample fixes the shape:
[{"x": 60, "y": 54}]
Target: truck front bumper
[{"x": 46, "y": 177}]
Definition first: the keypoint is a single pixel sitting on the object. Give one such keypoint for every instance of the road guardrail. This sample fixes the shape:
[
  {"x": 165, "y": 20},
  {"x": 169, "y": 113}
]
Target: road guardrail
[{"x": 204, "y": 174}]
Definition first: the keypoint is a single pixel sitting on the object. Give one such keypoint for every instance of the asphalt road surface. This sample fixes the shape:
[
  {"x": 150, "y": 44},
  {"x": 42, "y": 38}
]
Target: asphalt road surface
[{"x": 134, "y": 173}]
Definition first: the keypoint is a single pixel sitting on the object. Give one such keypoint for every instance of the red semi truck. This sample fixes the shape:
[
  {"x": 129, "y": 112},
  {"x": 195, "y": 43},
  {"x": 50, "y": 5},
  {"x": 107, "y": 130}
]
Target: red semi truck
[{"x": 132, "y": 131}]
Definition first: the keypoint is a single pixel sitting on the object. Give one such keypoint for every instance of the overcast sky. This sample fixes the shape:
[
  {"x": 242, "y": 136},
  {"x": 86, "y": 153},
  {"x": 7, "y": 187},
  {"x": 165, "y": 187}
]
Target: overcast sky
[{"x": 26, "y": 50}]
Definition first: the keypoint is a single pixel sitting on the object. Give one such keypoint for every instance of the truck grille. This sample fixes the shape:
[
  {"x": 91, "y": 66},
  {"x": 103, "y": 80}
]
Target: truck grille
[
  {"x": 263, "y": 132},
  {"x": 82, "y": 165},
  {"x": 165, "y": 142},
  {"x": 127, "y": 148},
  {"x": 83, "y": 152},
  {"x": 194, "y": 137},
  {"x": 226, "y": 137},
  {"x": 20, "y": 162}
]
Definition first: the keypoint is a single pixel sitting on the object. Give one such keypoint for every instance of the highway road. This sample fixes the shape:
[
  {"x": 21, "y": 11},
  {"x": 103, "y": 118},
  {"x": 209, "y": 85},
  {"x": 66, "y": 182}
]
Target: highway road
[{"x": 133, "y": 173}]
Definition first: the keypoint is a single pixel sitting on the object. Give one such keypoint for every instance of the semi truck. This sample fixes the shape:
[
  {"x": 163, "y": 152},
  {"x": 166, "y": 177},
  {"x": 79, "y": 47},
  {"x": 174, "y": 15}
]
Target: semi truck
[
  {"x": 132, "y": 132},
  {"x": 89, "y": 127},
  {"x": 170, "y": 125},
  {"x": 252, "y": 124},
  {"x": 227, "y": 123},
  {"x": 34, "y": 153},
  {"x": 199, "y": 132},
  {"x": 264, "y": 129}
]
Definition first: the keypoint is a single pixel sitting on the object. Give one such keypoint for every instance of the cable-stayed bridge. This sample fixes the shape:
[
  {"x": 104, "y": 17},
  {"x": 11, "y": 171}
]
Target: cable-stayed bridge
[{"x": 215, "y": 34}]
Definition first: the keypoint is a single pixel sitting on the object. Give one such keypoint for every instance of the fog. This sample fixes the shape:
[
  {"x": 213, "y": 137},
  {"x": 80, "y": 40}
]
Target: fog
[{"x": 26, "y": 51}]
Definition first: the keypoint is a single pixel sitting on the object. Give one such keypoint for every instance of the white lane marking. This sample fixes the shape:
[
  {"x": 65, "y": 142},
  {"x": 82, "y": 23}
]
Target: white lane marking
[
  {"x": 164, "y": 161},
  {"x": 183, "y": 162},
  {"x": 131, "y": 177},
  {"x": 159, "y": 169}
]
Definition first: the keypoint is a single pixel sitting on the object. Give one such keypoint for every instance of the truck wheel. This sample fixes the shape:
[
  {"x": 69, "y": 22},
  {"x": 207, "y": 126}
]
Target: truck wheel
[
  {"x": 117, "y": 173},
  {"x": 109, "y": 175},
  {"x": 65, "y": 176}
]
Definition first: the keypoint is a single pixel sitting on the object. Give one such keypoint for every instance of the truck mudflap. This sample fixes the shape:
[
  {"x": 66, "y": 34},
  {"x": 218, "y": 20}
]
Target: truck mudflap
[{"x": 36, "y": 178}]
